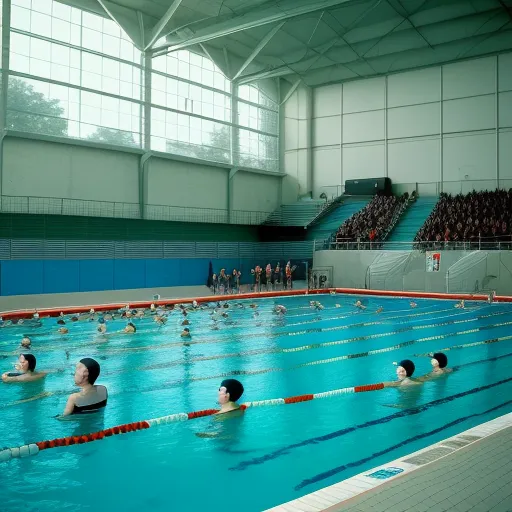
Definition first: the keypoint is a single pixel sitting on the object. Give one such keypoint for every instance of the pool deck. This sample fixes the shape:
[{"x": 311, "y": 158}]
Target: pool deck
[
  {"x": 471, "y": 471},
  {"x": 51, "y": 300}
]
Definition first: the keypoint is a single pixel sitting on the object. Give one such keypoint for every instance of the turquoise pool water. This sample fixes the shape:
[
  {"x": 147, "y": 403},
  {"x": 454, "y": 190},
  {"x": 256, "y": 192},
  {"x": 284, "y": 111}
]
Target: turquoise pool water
[{"x": 269, "y": 455}]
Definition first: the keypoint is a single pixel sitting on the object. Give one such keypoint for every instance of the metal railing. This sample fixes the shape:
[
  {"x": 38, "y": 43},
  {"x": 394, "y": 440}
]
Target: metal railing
[
  {"x": 114, "y": 209},
  {"x": 476, "y": 245}
]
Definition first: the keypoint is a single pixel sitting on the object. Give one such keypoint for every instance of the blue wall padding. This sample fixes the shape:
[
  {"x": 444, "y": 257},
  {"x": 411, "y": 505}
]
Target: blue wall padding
[
  {"x": 129, "y": 274},
  {"x": 22, "y": 277},
  {"x": 161, "y": 273},
  {"x": 18, "y": 277},
  {"x": 96, "y": 275},
  {"x": 61, "y": 276}
]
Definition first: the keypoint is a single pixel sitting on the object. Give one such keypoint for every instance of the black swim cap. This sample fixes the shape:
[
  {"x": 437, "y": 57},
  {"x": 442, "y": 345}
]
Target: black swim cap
[
  {"x": 408, "y": 366},
  {"x": 441, "y": 359},
  {"x": 234, "y": 388},
  {"x": 31, "y": 360},
  {"x": 61, "y": 322},
  {"x": 133, "y": 325},
  {"x": 93, "y": 367}
]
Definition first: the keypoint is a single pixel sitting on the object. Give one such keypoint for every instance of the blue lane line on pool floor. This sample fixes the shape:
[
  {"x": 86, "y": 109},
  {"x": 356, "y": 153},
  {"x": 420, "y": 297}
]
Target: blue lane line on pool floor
[
  {"x": 347, "y": 430},
  {"x": 343, "y": 467}
]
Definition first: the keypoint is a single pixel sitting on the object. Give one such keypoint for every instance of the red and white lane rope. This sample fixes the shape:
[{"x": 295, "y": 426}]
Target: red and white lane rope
[{"x": 27, "y": 450}]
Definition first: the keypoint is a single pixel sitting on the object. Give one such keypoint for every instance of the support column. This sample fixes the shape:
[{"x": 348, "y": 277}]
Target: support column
[
  {"x": 232, "y": 173},
  {"x": 145, "y": 131},
  {"x": 235, "y": 141},
  {"x": 6, "y": 31}
]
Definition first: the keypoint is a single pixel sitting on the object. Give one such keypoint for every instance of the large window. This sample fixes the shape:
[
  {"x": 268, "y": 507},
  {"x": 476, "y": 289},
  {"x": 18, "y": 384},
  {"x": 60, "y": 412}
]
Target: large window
[{"x": 76, "y": 74}]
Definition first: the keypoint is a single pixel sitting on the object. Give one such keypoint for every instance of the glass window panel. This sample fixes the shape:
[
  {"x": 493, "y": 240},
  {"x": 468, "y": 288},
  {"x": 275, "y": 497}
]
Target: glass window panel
[
  {"x": 183, "y": 89},
  {"x": 91, "y": 39},
  {"x": 40, "y": 49},
  {"x": 126, "y": 89},
  {"x": 158, "y": 97},
  {"x": 110, "y": 27},
  {"x": 61, "y": 11},
  {"x": 159, "y": 63},
  {"x": 125, "y": 107},
  {"x": 195, "y": 123},
  {"x": 60, "y": 55},
  {"x": 90, "y": 114},
  {"x": 197, "y": 108},
  {"x": 195, "y": 74},
  {"x": 92, "y": 21},
  {"x": 91, "y": 62},
  {"x": 91, "y": 99},
  {"x": 128, "y": 52},
  {"x": 183, "y": 70},
  {"x": 158, "y": 82},
  {"x": 41, "y": 24},
  {"x": 44, "y": 6},
  {"x": 22, "y": 3},
  {"x": 207, "y": 110},
  {"x": 59, "y": 73},
  {"x": 207, "y": 96},
  {"x": 183, "y": 120},
  {"x": 74, "y": 111},
  {"x": 110, "y": 103},
  {"x": 218, "y": 81},
  {"x": 218, "y": 99},
  {"x": 20, "y": 18},
  {"x": 74, "y": 76},
  {"x": 74, "y": 58},
  {"x": 208, "y": 64},
  {"x": 172, "y": 85},
  {"x": 171, "y": 131},
  {"x": 61, "y": 30},
  {"x": 19, "y": 63},
  {"x": 172, "y": 101},
  {"x": 111, "y": 45},
  {"x": 183, "y": 55},
  {"x": 207, "y": 78},
  {"x": 39, "y": 68},
  {"x": 75, "y": 35},
  {"x": 171, "y": 118},
  {"x": 76, "y": 16},
  {"x": 110, "y": 68},
  {"x": 195, "y": 59},
  {"x": 110, "y": 85},
  {"x": 172, "y": 66},
  {"x": 109, "y": 119},
  {"x": 91, "y": 80},
  {"x": 126, "y": 72},
  {"x": 20, "y": 44}
]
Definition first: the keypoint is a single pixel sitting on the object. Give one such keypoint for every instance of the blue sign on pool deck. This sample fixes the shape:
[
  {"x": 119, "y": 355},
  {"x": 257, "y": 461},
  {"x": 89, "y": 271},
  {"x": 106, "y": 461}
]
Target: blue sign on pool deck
[{"x": 384, "y": 473}]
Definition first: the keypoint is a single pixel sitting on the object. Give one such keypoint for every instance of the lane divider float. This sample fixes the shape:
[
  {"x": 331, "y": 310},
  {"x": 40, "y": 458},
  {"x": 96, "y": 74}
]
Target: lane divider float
[{"x": 31, "y": 449}]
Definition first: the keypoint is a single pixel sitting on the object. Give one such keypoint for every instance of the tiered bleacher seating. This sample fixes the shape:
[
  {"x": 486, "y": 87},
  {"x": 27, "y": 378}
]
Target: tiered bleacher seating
[
  {"x": 371, "y": 225},
  {"x": 475, "y": 220},
  {"x": 301, "y": 213}
]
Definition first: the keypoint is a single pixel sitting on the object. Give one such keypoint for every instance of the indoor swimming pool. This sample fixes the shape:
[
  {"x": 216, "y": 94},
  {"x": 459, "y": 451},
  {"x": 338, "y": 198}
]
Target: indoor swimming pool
[{"x": 267, "y": 455}]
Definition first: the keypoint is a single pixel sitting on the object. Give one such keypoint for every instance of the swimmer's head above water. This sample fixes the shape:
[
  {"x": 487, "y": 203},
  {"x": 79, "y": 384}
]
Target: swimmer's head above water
[
  {"x": 439, "y": 360},
  {"x": 130, "y": 328},
  {"x": 405, "y": 369},
  {"x": 230, "y": 391},
  {"x": 26, "y": 342},
  {"x": 86, "y": 372},
  {"x": 26, "y": 363}
]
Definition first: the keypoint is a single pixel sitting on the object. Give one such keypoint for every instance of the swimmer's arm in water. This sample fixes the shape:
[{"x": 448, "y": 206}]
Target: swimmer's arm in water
[
  {"x": 25, "y": 377},
  {"x": 70, "y": 405},
  {"x": 394, "y": 384}
]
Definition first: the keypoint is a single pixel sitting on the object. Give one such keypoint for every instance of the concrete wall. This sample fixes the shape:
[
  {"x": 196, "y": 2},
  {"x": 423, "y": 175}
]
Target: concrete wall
[
  {"x": 446, "y": 123},
  {"x": 296, "y": 143},
  {"x": 47, "y": 169},
  {"x": 460, "y": 271}
]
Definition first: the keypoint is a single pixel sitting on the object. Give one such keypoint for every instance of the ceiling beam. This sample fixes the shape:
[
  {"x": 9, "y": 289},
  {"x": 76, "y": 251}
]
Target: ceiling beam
[
  {"x": 291, "y": 91},
  {"x": 124, "y": 18},
  {"x": 158, "y": 28},
  {"x": 251, "y": 19},
  {"x": 259, "y": 47}
]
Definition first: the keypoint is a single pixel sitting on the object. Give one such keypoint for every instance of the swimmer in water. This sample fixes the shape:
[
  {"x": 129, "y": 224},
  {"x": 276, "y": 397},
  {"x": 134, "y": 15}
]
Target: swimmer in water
[
  {"x": 404, "y": 373},
  {"x": 160, "y": 319},
  {"x": 380, "y": 309},
  {"x": 25, "y": 371},
  {"x": 102, "y": 326},
  {"x": 60, "y": 321},
  {"x": 130, "y": 328},
  {"x": 230, "y": 391},
  {"x": 460, "y": 305},
  {"x": 63, "y": 330},
  {"x": 412, "y": 304},
  {"x": 91, "y": 398},
  {"x": 26, "y": 343},
  {"x": 359, "y": 305},
  {"x": 280, "y": 309},
  {"x": 185, "y": 322},
  {"x": 439, "y": 364},
  {"x": 186, "y": 333}
]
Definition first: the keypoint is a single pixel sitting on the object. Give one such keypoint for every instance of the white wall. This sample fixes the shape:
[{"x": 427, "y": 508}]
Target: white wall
[
  {"x": 46, "y": 169},
  {"x": 296, "y": 144},
  {"x": 174, "y": 183},
  {"x": 255, "y": 192},
  {"x": 429, "y": 125}
]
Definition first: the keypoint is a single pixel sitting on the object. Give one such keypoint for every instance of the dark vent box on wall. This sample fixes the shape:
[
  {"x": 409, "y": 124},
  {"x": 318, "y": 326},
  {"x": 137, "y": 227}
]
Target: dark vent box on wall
[{"x": 368, "y": 186}]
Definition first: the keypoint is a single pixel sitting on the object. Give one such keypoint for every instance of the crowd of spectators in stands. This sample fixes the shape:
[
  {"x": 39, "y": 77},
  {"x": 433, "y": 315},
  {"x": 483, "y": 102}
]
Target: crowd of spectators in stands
[
  {"x": 481, "y": 219},
  {"x": 371, "y": 225}
]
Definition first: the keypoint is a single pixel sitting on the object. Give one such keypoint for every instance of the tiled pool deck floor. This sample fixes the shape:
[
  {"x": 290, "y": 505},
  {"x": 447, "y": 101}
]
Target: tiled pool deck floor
[{"x": 468, "y": 472}]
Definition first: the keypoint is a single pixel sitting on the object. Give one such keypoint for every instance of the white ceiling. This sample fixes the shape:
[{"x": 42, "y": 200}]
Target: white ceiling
[{"x": 315, "y": 41}]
